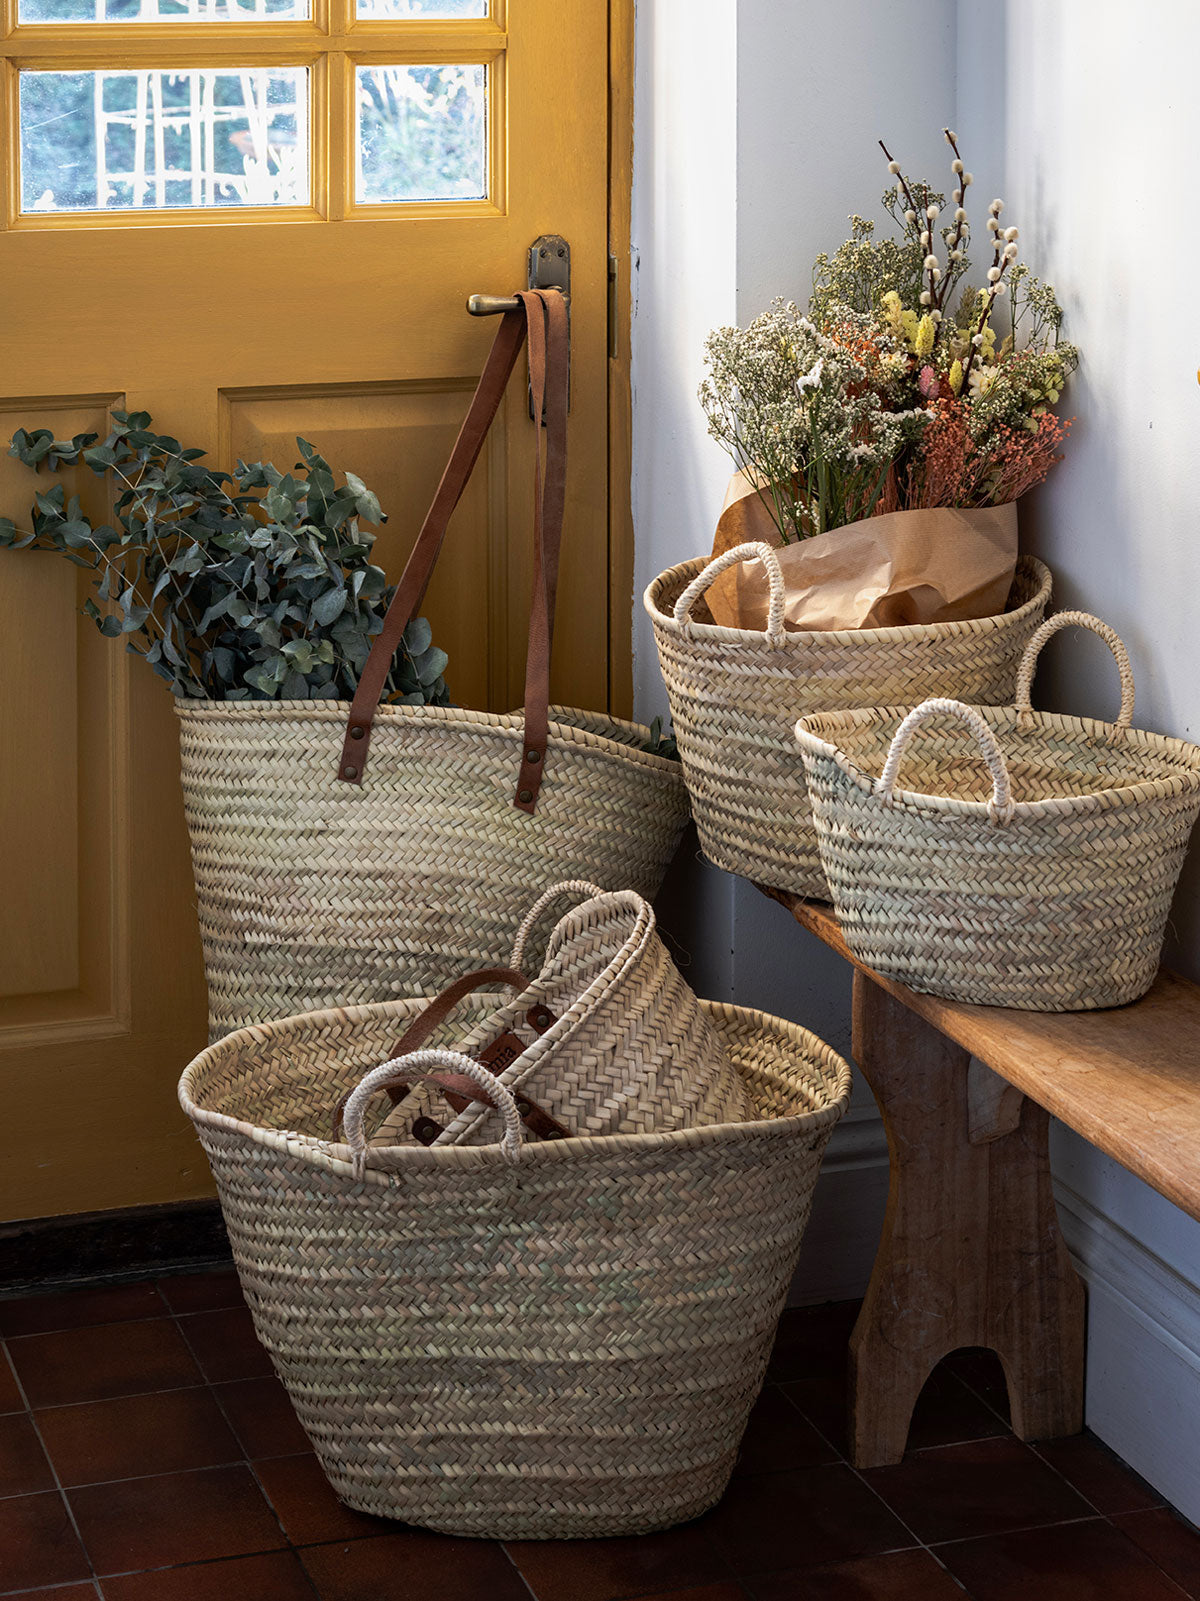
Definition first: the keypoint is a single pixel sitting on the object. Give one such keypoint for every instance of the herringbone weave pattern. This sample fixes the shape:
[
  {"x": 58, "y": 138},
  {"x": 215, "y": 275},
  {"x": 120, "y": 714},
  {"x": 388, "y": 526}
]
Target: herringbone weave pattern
[
  {"x": 735, "y": 696},
  {"x": 631, "y": 1051},
  {"x": 1054, "y": 901},
  {"x": 314, "y": 892},
  {"x": 564, "y": 1345}
]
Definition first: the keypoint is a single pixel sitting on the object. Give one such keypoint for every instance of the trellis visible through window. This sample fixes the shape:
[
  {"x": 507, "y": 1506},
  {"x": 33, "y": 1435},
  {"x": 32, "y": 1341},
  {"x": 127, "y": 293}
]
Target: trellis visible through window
[{"x": 251, "y": 104}]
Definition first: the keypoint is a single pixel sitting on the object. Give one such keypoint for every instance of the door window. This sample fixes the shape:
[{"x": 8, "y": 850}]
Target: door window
[{"x": 202, "y": 110}]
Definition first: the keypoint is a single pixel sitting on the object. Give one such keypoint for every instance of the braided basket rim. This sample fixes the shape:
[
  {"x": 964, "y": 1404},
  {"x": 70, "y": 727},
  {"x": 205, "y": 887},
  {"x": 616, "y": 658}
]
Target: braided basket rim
[
  {"x": 454, "y": 718},
  {"x": 815, "y": 639},
  {"x": 335, "y": 1157},
  {"x": 810, "y": 729}
]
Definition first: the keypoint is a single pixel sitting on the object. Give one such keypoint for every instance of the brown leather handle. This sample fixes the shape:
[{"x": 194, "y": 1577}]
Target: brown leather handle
[
  {"x": 542, "y": 316},
  {"x": 423, "y": 1025},
  {"x": 442, "y": 1005}
]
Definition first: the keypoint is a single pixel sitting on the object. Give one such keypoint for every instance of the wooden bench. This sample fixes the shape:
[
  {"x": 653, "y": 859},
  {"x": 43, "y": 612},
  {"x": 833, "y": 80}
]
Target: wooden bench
[{"x": 971, "y": 1251}]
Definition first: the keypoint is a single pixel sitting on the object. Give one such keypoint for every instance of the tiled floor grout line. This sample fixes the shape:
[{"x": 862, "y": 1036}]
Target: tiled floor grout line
[{"x": 58, "y": 1484}]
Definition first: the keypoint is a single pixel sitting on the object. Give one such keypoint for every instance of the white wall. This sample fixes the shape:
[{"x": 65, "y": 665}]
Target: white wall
[
  {"x": 755, "y": 133},
  {"x": 1088, "y": 113}
]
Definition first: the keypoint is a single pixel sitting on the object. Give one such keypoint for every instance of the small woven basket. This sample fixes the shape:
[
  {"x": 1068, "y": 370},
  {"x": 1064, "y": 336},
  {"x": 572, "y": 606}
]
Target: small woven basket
[
  {"x": 1039, "y": 878},
  {"x": 620, "y": 1044},
  {"x": 541, "y": 1340},
  {"x": 735, "y": 695},
  {"x": 313, "y": 892}
]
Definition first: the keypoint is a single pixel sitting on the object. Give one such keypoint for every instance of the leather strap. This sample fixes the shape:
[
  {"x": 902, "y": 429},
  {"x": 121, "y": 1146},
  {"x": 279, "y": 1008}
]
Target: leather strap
[
  {"x": 439, "y": 1009},
  {"x": 423, "y": 1025},
  {"x": 543, "y": 316}
]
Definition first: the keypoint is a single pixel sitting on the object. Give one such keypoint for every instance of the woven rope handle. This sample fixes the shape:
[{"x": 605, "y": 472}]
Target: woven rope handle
[
  {"x": 1000, "y": 807},
  {"x": 730, "y": 558},
  {"x": 1076, "y": 619},
  {"x": 569, "y": 886},
  {"x": 412, "y": 1069}
]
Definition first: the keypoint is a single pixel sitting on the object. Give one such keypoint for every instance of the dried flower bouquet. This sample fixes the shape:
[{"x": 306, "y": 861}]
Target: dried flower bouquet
[{"x": 903, "y": 388}]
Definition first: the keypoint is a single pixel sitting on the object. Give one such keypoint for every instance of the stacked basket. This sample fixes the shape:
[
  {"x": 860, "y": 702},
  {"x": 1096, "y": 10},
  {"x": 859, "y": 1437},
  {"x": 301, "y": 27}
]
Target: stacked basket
[{"x": 735, "y": 695}]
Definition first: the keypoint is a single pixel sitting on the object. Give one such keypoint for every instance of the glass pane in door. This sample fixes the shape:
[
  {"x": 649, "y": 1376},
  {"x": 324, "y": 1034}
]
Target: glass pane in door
[
  {"x": 157, "y": 140},
  {"x": 422, "y": 133},
  {"x": 76, "y": 11}
]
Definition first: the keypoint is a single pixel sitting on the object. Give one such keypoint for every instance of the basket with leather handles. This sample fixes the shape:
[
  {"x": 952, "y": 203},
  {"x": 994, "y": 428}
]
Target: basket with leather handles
[
  {"x": 355, "y": 852},
  {"x": 1039, "y": 877},
  {"x": 525, "y": 1338},
  {"x": 735, "y": 694},
  {"x": 607, "y": 1039}
]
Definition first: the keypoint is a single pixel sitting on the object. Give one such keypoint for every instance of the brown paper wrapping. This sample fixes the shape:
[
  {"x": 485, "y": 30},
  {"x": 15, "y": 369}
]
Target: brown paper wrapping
[{"x": 940, "y": 565}]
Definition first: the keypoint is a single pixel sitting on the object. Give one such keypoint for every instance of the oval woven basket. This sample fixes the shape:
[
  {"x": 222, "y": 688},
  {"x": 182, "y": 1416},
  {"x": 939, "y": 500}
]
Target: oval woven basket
[
  {"x": 568, "y": 1344},
  {"x": 1038, "y": 876},
  {"x": 313, "y": 892},
  {"x": 735, "y": 696},
  {"x": 607, "y": 1039}
]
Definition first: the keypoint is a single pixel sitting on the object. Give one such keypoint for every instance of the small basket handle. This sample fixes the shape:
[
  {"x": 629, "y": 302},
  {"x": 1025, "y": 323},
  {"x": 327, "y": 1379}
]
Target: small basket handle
[
  {"x": 730, "y": 558},
  {"x": 579, "y": 887},
  {"x": 1077, "y": 619},
  {"x": 1000, "y": 807},
  {"x": 412, "y": 1069}
]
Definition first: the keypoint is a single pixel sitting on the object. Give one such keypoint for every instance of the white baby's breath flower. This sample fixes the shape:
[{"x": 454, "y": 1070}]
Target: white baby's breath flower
[{"x": 812, "y": 377}]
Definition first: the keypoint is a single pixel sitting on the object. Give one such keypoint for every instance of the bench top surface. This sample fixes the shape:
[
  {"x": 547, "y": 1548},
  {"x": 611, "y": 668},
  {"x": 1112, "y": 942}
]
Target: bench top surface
[{"x": 1127, "y": 1079}]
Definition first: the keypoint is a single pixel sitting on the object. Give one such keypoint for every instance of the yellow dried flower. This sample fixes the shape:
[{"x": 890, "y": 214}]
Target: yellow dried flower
[
  {"x": 926, "y": 328},
  {"x": 955, "y": 376}
]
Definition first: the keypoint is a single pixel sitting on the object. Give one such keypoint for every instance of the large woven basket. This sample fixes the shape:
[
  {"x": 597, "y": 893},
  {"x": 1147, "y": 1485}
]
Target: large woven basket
[
  {"x": 607, "y": 1039},
  {"x": 1039, "y": 877},
  {"x": 358, "y": 852},
  {"x": 313, "y": 892},
  {"x": 735, "y": 696},
  {"x": 567, "y": 1344}
]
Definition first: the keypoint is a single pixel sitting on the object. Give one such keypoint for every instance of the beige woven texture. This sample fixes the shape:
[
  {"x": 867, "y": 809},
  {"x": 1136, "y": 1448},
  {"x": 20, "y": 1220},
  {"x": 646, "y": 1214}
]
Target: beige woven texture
[
  {"x": 1000, "y": 855},
  {"x": 313, "y": 892},
  {"x": 567, "y": 1344},
  {"x": 631, "y": 1051},
  {"x": 735, "y": 696}
]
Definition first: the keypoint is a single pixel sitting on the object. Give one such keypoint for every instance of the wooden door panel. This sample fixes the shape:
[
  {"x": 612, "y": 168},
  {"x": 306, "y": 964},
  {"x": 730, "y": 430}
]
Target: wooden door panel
[
  {"x": 397, "y": 438},
  {"x": 64, "y": 724}
]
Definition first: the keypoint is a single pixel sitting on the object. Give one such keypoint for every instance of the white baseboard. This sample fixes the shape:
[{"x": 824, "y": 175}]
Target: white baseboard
[{"x": 1143, "y": 1356}]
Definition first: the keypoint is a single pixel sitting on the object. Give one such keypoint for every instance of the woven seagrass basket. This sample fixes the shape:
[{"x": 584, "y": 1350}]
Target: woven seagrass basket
[
  {"x": 313, "y": 893},
  {"x": 735, "y": 695},
  {"x": 607, "y": 1039},
  {"x": 565, "y": 1344},
  {"x": 1039, "y": 877}
]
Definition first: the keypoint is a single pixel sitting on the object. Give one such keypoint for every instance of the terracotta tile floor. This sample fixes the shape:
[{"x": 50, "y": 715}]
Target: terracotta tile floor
[{"x": 148, "y": 1454}]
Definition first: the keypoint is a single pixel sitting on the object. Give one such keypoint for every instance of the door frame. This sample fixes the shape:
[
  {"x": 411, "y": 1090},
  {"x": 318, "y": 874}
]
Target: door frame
[{"x": 621, "y": 598}]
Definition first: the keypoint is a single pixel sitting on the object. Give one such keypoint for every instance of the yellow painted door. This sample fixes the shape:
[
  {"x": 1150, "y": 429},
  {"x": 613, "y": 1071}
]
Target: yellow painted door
[{"x": 254, "y": 219}]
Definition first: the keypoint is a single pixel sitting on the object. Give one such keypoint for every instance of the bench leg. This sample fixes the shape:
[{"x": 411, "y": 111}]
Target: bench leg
[{"x": 971, "y": 1252}]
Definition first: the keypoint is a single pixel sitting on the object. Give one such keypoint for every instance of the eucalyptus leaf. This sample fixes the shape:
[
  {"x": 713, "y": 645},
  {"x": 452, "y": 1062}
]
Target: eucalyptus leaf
[{"x": 233, "y": 587}]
